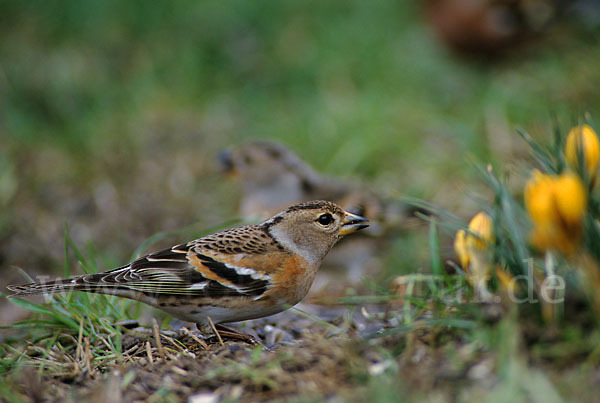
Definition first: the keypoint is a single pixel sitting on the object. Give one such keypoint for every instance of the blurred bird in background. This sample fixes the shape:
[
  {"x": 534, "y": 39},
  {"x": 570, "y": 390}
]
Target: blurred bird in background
[
  {"x": 272, "y": 176},
  {"x": 490, "y": 27}
]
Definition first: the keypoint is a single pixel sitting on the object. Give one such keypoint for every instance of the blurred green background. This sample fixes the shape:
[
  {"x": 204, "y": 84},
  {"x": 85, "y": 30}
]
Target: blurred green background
[{"x": 112, "y": 112}]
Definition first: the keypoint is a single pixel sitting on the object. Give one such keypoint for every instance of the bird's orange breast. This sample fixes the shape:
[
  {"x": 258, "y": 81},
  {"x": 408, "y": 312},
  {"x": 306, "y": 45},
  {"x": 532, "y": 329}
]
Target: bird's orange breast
[{"x": 292, "y": 281}]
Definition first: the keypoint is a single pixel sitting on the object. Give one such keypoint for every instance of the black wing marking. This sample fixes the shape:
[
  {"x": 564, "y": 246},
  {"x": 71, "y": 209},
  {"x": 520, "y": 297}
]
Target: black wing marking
[{"x": 245, "y": 280}]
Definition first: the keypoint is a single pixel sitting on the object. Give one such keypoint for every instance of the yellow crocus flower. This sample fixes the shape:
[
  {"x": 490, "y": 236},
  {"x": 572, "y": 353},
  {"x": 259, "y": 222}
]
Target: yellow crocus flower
[
  {"x": 460, "y": 247},
  {"x": 480, "y": 225},
  {"x": 472, "y": 249},
  {"x": 583, "y": 140},
  {"x": 556, "y": 205},
  {"x": 570, "y": 198},
  {"x": 539, "y": 195},
  {"x": 477, "y": 240}
]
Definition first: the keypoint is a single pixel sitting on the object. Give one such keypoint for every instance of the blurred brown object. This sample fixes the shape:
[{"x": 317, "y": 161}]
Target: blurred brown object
[
  {"x": 273, "y": 177},
  {"x": 397, "y": 288},
  {"x": 488, "y": 27}
]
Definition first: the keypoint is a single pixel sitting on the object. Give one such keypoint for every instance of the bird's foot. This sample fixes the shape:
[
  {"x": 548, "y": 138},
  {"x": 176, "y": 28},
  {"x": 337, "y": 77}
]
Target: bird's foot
[{"x": 229, "y": 333}]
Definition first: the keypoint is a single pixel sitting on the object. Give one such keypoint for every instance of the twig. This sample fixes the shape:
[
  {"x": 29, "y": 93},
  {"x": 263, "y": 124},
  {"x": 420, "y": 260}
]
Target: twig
[
  {"x": 179, "y": 371},
  {"x": 332, "y": 327},
  {"x": 106, "y": 343},
  {"x": 131, "y": 349},
  {"x": 215, "y": 330},
  {"x": 195, "y": 338},
  {"x": 149, "y": 352},
  {"x": 178, "y": 345},
  {"x": 88, "y": 354},
  {"x": 159, "y": 345},
  {"x": 79, "y": 350}
]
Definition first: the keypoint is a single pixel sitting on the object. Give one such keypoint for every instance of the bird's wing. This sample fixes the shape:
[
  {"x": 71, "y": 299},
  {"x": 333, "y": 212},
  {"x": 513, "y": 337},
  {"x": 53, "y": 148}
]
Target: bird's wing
[{"x": 179, "y": 271}]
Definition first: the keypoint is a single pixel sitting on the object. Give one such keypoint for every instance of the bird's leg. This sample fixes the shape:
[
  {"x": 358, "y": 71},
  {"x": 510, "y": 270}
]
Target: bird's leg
[{"x": 221, "y": 332}]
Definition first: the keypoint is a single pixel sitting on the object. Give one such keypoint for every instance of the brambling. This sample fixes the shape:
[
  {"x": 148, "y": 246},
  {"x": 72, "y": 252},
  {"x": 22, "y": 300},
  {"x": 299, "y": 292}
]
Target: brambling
[
  {"x": 237, "y": 274},
  {"x": 489, "y": 27},
  {"x": 272, "y": 176}
]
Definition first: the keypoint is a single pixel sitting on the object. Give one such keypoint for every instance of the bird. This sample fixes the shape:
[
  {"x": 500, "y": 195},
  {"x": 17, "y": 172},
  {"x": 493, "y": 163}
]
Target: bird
[
  {"x": 271, "y": 175},
  {"x": 238, "y": 274},
  {"x": 486, "y": 28}
]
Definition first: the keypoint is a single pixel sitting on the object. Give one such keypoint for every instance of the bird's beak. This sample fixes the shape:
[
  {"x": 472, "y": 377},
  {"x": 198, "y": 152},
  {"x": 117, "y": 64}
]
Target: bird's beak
[
  {"x": 353, "y": 223},
  {"x": 225, "y": 161}
]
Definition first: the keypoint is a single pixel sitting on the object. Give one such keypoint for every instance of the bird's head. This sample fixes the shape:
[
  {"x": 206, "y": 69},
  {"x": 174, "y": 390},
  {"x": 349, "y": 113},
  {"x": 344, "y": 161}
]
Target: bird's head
[{"x": 312, "y": 228}]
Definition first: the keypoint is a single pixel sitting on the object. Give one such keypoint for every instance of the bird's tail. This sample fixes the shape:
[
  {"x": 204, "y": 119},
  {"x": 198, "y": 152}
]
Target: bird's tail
[{"x": 79, "y": 283}]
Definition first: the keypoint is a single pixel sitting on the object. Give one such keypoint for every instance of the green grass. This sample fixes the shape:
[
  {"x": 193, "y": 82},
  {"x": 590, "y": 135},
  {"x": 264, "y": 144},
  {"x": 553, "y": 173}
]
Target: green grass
[{"x": 66, "y": 322}]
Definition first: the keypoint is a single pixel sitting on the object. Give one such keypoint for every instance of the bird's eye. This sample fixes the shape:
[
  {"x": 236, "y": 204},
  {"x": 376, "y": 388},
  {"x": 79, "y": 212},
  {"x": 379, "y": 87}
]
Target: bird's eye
[{"x": 325, "y": 219}]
